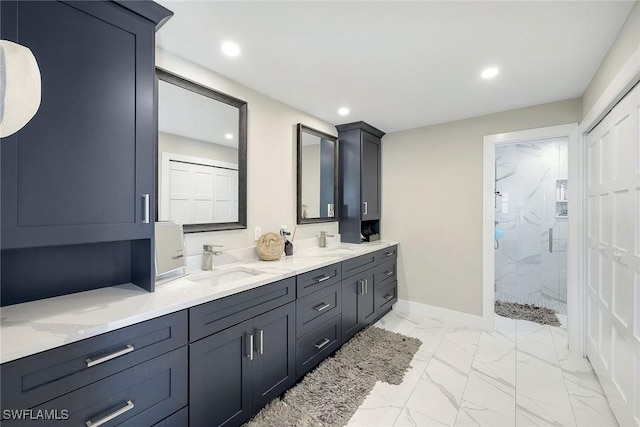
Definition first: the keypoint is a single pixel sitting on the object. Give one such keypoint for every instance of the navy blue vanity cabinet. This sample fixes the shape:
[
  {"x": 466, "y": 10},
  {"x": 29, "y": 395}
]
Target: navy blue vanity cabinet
[
  {"x": 386, "y": 280},
  {"x": 78, "y": 181},
  {"x": 359, "y": 181},
  {"x": 318, "y": 316},
  {"x": 358, "y": 307},
  {"x": 137, "y": 375},
  {"x": 369, "y": 289},
  {"x": 238, "y": 369}
]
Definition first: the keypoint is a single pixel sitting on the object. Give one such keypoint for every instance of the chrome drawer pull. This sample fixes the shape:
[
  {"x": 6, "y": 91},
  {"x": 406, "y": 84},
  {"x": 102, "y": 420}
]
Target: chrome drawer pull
[
  {"x": 129, "y": 406},
  {"x": 145, "y": 208},
  {"x": 323, "y": 343},
  {"x": 90, "y": 362},
  {"x": 388, "y": 254},
  {"x": 249, "y": 347},
  {"x": 322, "y": 306},
  {"x": 389, "y": 273},
  {"x": 321, "y": 278},
  {"x": 366, "y": 286},
  {"x": 261, "y": 344},
  {"x": 361, "y": 283},
  {"x": 388, "y": 297}
]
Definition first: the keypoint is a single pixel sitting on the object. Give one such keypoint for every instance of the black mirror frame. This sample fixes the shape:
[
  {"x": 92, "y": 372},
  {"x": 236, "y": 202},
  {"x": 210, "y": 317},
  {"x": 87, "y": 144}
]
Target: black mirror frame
[
  {"x": 335, "y": 218},
  {"x": 192, "y": 86}
]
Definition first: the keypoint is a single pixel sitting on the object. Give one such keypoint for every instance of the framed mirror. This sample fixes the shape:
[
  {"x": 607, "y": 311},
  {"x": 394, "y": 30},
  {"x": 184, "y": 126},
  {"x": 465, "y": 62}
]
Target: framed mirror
[
  {"x": 202, "y": 156},
  {"x": 317, "y": 176}
]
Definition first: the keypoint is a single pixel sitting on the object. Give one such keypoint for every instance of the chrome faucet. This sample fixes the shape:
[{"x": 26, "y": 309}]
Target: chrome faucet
[
  {"x": 207, "y": 256},
  {"x": 323, "y": 238}
]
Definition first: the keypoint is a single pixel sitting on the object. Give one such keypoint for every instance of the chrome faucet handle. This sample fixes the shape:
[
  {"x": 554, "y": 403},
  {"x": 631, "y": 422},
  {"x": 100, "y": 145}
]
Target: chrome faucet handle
[
  {"x": 324, "y": 233},
  {"x": 209, "y": 248}
]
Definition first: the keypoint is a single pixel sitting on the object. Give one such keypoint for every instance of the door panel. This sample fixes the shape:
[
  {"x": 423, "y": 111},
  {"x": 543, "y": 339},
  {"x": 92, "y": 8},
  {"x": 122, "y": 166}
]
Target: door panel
[
  {"x": 274, "y": 351},
  {"x": 220, "y": 378},
  {"x": 370, "y": 176},
  {"x": 613, "y": 255}
]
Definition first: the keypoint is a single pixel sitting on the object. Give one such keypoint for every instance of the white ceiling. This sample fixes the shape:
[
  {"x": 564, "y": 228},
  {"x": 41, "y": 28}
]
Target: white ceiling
[{"x": 400, "y": 65}]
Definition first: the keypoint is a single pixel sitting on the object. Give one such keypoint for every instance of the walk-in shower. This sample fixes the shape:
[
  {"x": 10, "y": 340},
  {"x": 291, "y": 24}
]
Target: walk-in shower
[{"x": 531, "y": 223}]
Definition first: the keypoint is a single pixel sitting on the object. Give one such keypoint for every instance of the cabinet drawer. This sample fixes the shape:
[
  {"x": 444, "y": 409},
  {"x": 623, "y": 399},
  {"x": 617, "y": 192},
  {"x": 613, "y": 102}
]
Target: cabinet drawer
[
  {"x": 179, "y": 419},
  {"x": 359, "y": 264},
  {"x": 316, "y": 308},
  {"x": 214, "y": 316},
  {"x": 386, "y": 274},
  {"x": 387, "y": 296},
  {"x": 387, "y": 254},
  {"x": 35, "y": 379},
  {"x": 318, "y": 279},
  {"x": 141, "y": 396},
  {"x": 312, "y": 348}
]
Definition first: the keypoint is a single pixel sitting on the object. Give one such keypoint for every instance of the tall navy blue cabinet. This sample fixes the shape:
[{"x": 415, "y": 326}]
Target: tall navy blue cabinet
[
  {"x": 78, "y": 181},
  {"x": 360, "y": 181}
]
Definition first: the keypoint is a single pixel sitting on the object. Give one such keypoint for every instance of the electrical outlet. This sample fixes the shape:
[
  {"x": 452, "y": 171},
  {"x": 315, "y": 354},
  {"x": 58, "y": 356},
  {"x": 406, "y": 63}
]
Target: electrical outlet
[{"x": 257, "y": 232}]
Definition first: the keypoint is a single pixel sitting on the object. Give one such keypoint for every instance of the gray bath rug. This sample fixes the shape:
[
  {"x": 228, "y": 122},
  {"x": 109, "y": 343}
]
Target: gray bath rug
[
  {"x": 533, "y": 313},
  {"x": 331, "y": 394}
]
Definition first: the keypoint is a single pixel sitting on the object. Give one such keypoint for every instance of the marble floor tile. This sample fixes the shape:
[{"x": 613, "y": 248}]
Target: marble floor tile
[
  {"x": 375, "y": 411},
  {"x": 410, "y": 417},
  {"x": 520, "y": 374},
  {"x": 398, "y": 321},
  {"x": 439, "y": 392},
  {"x": 492, "y": 389},
  {"x": 473, "y": 414}
]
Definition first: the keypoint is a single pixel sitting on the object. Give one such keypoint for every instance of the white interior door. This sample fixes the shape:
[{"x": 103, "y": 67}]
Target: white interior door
[
  {"x": 202, "y": 194},
  {"x": 225, "y": 204},
  {"x": 613, "y": 256}
]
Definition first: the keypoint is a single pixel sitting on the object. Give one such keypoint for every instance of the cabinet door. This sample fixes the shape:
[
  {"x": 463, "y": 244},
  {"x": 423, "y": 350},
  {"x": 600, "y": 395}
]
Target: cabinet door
[
  {"x": 220, "y": 378},
  {"x": 366, "y": 300},
  {"x": 79, "y": 170},
  {"x": 351, "y": 289},
  {"x": 370, "y": 177},
  {"x": 274, "y": 354}
]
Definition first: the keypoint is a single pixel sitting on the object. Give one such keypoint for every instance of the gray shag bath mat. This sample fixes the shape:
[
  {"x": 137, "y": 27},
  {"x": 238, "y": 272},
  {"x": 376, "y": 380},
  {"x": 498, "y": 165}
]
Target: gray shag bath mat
[
  {"x": 533, "y": 313},
  {"x": 331, "y": 394}
]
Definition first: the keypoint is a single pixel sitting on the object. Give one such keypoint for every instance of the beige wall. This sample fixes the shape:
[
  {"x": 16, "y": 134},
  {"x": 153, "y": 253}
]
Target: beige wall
[
  {"x": 625, "y": 44},
  {"x": 432, "y": 202},
  {"x": 271, "y": 150}
]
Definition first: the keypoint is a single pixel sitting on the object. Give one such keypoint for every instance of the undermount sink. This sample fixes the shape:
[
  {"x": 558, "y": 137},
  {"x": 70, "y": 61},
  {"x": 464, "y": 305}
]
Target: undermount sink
[{"x": 227, "y": 275}]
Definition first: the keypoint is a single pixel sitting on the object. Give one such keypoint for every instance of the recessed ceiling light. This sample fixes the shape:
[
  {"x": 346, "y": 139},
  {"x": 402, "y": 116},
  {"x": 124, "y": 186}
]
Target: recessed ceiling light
[
  {"x": 228, "y": 135},
  {"x": 230, "y": 49},
  {"x": 489, "y": 73},
  {"x": 343, "y": 111}
]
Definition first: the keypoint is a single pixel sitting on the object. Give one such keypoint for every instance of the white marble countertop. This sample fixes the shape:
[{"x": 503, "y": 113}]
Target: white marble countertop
[{"x": 36, "y": 326}]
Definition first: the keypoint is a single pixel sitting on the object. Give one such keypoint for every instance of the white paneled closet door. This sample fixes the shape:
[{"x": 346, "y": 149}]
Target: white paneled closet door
[{"x": 613, "y": 256}]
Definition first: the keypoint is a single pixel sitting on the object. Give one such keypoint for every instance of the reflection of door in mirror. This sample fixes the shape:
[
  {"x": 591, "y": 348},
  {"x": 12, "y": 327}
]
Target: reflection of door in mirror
[
  {"x": 316, "y": 175},
  {"x": 201, "y": 146},
  {"x": 170, "y": 255}
]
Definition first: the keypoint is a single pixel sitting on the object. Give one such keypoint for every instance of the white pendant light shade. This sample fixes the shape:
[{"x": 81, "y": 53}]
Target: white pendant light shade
[{"x": 19, "y": 87}]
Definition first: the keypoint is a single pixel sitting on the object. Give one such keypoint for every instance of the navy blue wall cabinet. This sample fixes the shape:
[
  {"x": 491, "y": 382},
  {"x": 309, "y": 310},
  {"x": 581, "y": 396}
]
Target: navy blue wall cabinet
[
  {"x": 359, "y": 179},
  {"x": 78, "y": 181}
]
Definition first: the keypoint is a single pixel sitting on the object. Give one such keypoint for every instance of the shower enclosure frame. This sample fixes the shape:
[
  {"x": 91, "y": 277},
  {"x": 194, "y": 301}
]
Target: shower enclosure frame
[{"x": 575, "y": 293}]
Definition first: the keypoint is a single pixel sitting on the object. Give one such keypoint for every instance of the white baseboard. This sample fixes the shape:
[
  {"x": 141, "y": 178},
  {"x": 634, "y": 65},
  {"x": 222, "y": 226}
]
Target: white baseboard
[{"x": 452, "y": 316}]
